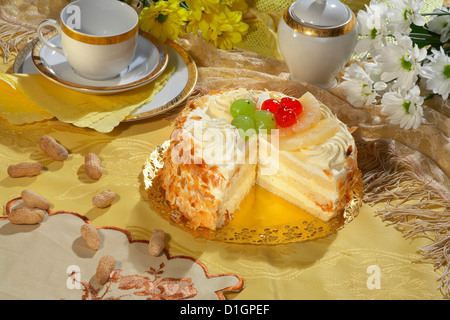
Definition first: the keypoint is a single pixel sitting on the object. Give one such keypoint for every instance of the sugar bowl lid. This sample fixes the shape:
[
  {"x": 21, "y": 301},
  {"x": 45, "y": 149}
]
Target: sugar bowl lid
[{"x": 320, "y": 18}]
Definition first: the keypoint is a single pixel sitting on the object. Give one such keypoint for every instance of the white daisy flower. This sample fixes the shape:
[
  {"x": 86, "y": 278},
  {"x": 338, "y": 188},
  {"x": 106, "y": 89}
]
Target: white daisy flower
[
  {"x": 360, "y": 88},
  {"x": 374, "y": 72},
  {"x": 437, "y": 73},
  {"x": 403, "y": 13},
  {"x": 401, "y": 62},
  {"x": 403, "y": 107},
  {"x": 440, "y": 24},
  {"x": 372, "y": 28}
]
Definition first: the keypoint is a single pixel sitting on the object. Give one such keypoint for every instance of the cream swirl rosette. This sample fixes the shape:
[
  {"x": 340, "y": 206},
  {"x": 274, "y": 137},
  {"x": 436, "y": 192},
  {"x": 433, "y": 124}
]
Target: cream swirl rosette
[
  {"x": 330, "y": 154},
  {"x": 210, "y": 142}
]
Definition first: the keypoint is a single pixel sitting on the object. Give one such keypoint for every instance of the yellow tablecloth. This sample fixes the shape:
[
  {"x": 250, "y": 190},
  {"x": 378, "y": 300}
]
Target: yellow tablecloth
[
  {"x": 336, "y": 267},
  {"x": 368, "y": 259}
]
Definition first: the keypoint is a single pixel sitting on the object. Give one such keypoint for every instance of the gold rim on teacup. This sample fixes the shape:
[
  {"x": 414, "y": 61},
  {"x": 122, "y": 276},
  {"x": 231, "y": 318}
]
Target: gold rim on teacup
[
  {"x": 41, "y": 66},
  {"x": 320, "y": 31},
  {"x": 97, "y": 40}
]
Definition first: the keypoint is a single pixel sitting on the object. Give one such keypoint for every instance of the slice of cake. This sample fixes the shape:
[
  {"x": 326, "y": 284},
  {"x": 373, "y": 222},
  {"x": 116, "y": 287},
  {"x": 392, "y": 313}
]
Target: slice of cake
[
  {"x": 208, "y": 169},
  {"x": 316, "y": 165},
  {"x": 225, "y": 142}
]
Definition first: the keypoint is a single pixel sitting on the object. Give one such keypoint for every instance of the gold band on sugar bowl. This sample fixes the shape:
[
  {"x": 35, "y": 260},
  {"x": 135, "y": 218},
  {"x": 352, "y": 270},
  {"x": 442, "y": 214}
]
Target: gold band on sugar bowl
[
  {"x": 333, "y": 31},
  {"x": 99, "y": 40}
]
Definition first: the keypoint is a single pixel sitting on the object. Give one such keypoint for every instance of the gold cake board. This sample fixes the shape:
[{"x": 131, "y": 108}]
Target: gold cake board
[{"x": 262, "y": 219}]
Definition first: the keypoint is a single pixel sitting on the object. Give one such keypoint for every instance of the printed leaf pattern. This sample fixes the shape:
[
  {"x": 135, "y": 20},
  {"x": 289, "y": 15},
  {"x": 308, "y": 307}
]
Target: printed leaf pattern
[{"x": 154, "y": 287}]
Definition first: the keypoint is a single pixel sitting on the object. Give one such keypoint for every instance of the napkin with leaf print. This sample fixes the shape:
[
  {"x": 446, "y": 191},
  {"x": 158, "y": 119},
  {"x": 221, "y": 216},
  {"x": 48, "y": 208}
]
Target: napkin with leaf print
[{"x": 27, "y": 98}]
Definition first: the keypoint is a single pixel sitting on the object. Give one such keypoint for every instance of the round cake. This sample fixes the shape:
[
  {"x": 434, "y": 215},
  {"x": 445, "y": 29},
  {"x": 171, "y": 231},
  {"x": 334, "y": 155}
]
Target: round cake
[{"x": 225, "y": 142}]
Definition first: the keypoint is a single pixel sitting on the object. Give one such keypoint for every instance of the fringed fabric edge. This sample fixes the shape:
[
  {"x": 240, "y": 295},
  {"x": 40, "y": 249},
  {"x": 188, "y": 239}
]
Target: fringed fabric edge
[
  {"x": 13, "y": 36},
  {"x": 415, "y": 203}
]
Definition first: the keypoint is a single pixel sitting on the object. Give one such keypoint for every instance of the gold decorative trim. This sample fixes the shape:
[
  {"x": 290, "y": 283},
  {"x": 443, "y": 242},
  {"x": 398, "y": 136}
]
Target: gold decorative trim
[
  {"x": 190, "y": 86},
  {"x": 99, "y": 40},
  {"x": 20, "y": 59},
  {"x": 42, "y": 68},
  {"x": 220, "y": 293},
  {"x": 322, "y": 32},
  {"x": 304, "y": 227},
  {"x": 192, "y": 81}
]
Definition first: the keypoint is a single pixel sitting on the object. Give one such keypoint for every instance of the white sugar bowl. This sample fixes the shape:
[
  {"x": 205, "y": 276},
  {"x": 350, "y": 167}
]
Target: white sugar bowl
[{"x": 316, "y": 39}]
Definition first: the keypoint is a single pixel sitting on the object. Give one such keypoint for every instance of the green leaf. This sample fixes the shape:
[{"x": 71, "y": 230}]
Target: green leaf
[
  {"x": 418, "y": 29},
  {"x": 423, "y": 37}
]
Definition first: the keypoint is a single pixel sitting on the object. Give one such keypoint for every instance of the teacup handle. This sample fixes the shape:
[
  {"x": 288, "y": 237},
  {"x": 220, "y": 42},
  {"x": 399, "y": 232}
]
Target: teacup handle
[{"x": 49, "y": 23}]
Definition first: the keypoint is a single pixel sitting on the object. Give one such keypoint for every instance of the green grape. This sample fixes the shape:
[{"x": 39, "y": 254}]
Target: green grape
[
  {"x": 245, "y": 124},
  {"x": 264, "y": 120},
  {"x": 242, "y": 107}
]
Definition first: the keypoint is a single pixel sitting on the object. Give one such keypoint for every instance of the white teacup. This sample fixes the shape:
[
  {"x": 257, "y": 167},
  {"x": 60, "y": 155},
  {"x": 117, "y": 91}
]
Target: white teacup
[{"x": 98, "y": 37}]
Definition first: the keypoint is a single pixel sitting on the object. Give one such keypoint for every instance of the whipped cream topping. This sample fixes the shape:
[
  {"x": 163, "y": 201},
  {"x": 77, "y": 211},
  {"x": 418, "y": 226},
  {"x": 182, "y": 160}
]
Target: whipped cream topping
[
  {"x": 328, "y": 155},
  {"x": 215, "y": 141},
  {"x": 218, "y": 105},
  {"x": 331, "y": 154}
]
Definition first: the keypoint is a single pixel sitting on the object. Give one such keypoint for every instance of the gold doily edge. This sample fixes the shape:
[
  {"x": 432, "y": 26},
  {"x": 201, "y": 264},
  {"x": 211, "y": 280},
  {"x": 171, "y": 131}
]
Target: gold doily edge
[{"x": 266, "y": 235}]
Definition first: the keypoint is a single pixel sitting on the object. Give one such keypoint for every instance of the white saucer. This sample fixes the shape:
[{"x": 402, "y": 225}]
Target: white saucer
[
  {"x": 148, "y": 63},
  {"x": 177, "y": 89}
]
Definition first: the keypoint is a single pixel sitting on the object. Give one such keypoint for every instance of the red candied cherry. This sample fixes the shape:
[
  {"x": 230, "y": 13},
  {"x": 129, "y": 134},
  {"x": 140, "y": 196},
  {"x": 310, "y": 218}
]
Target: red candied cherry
[
  {"x": 270, "y": 105},
  {"x": 293, "y": 104},
  {"x": 285, "y": 116}
]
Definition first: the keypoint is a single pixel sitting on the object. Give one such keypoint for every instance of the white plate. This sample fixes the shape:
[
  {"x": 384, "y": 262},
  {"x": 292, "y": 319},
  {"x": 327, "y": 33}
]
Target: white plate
[
  {"x": 149, "y": 62},
  {"x": 177, "y": 89}
]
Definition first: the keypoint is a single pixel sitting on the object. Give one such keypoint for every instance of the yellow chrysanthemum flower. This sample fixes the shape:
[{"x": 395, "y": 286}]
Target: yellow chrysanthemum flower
[
  {"x": 203, "y": 5},
  {"x": 165, "y": 20},
  {"x": 219, "y": 25},
  {"x": 236, "y": 5},
  {"x": 198, "y": 7},
  {"x": 232, "y": 29}
]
